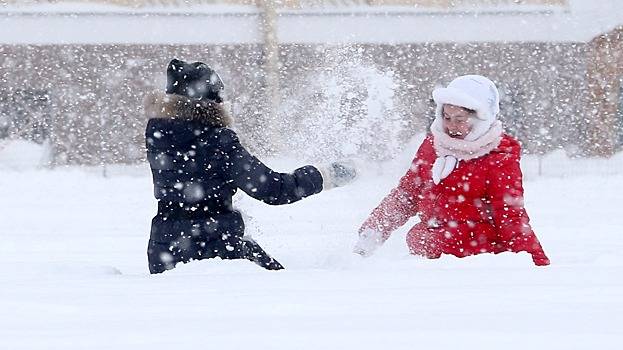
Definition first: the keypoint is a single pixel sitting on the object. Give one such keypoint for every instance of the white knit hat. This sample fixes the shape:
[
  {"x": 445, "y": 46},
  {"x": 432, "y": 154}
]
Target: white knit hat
[{"x": 474, "y": 92}]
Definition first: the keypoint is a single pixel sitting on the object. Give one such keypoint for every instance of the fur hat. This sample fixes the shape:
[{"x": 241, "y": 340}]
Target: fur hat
[
  {"x": 474, "y": 92},
  {"x": 194, "y": 80}
]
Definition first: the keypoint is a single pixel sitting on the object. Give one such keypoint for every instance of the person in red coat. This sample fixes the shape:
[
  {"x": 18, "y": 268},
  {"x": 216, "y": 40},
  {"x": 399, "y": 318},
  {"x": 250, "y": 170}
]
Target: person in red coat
[{"x": 465, "y": 184}]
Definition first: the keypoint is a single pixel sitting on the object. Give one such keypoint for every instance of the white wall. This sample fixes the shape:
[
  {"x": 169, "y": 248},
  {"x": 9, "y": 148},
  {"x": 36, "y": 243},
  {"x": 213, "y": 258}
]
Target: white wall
[{"x": 64, "y": 24}]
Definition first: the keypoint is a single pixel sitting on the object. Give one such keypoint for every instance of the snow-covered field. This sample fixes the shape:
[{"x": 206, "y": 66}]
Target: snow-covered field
[{"x": 75, "y": 276}]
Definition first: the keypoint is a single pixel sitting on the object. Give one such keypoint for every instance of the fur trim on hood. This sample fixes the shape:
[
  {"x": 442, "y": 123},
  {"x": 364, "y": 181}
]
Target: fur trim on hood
[{"x": 160, "y": 105}]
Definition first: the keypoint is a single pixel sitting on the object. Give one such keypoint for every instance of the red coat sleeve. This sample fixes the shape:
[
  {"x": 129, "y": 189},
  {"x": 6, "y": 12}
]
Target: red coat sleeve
[
  {"x": 509, "y": 215},
  {"x": 400, "y": 204}
]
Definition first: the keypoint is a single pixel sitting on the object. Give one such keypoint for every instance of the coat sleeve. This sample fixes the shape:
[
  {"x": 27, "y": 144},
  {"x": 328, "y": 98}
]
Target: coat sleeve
[
  {"x": 399, "y": 205},
  {"x": 260, "y": 182},
  {"x": 508, "y": 212}
]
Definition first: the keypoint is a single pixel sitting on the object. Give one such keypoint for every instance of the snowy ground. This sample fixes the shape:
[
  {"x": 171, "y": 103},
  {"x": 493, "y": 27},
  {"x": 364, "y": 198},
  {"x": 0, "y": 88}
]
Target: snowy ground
[{"x": 75, "y": 274}]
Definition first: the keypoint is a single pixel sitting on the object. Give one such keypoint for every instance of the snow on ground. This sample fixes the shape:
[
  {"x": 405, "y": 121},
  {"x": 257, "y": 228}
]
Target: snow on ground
[{"x": 75, "y": 274}]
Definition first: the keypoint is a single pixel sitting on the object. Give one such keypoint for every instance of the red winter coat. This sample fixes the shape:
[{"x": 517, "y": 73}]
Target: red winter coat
[{"x": 478, "y": 208}]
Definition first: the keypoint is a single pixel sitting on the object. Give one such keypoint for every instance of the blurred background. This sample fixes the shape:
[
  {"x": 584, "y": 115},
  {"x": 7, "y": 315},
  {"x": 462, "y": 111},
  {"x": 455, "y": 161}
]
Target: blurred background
[{"x": 309, "y": 78}]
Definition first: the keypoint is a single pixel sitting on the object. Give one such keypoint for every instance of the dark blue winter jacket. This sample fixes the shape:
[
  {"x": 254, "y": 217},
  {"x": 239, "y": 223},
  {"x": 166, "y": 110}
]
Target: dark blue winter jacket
[{"x": 198, "y": 164}]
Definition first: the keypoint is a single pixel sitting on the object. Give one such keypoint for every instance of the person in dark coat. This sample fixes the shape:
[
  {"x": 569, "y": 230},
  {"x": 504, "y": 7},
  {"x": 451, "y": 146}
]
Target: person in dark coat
[{"x": 198, "y": 164}]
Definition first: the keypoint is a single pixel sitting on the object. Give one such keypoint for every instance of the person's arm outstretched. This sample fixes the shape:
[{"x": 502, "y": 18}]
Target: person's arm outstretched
[{"x": 262, "y": 183}]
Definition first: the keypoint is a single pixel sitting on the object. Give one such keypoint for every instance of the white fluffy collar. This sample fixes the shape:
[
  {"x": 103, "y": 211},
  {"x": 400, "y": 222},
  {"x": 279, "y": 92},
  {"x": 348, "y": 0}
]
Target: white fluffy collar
[
  {"x": 445, "y": 145},
  {"x": 450, "y": 150}
]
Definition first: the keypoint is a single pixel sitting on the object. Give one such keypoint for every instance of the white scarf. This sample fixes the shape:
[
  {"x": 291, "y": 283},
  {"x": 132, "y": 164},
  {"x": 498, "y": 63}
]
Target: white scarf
[{"x": 450, "y": 150}]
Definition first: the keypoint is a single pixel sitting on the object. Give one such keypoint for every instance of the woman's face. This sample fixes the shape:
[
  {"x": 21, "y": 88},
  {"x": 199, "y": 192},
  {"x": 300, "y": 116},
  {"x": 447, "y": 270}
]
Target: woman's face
[{"x": 456, "y": 121}]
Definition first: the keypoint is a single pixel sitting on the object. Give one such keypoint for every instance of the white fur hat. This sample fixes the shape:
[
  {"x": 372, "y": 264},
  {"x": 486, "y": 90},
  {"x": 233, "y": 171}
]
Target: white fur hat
[{"x": 474, "y": 92}]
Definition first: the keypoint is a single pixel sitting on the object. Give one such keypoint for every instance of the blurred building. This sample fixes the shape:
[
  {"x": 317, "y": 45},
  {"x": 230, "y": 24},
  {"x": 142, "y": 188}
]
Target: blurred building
[{"x": 74, "y": 72}]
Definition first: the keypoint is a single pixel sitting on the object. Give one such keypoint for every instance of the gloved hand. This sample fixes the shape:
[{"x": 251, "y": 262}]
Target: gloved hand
[
  {"x": 337, "y": 174},
  {"x": 369, "y": 240}
]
